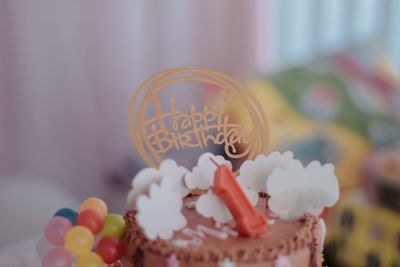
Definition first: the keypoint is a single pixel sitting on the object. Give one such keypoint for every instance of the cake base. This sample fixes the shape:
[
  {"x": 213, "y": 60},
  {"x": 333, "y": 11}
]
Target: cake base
[{"x": 204, "y": 243}]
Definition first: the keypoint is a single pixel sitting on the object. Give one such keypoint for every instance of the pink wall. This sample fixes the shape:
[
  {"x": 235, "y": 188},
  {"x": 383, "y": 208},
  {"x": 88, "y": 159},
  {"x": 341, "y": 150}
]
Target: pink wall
[{"x": 69, "y": 68}]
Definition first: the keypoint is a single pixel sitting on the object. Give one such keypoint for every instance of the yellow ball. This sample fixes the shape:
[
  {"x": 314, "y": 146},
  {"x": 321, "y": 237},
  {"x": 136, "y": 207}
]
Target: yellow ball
[
  {"x": 96, "y": 204},
  {"x": 90, "y": 259},
  {"x": 79, "y": 240}
]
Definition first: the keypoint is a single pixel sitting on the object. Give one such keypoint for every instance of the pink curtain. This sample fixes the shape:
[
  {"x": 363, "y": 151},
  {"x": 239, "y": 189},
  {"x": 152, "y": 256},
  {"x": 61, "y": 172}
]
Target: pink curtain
[{"x": 68, "y": 70}]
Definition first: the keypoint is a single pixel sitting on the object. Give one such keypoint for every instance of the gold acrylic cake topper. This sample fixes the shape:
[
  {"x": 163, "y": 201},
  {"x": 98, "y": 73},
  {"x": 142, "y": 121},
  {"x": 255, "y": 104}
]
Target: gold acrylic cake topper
[{"x": 172, "y": 127}]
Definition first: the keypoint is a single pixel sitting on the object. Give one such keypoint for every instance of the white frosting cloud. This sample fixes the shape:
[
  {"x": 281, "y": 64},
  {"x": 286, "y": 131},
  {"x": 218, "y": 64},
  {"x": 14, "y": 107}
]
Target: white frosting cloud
[
  {"x": 211, "y": 206},
  {"x": 159, "y": 214},
  {"x": 202, "y": 176},
  {"x": 295, "y": 190},
  {"x": 141, "y": 183},
  {"x": 168, "y": 168},
  {"x": 171, "y": 169},
  {"x": 254, "y": 173}
]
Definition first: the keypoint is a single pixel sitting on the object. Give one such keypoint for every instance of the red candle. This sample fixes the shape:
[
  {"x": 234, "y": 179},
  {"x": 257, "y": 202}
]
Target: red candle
[{"x": 249, "y": 222}]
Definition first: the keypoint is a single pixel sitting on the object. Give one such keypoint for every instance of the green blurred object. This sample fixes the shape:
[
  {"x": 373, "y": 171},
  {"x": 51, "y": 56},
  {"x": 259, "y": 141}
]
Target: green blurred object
[
  {"x": 114, "y": 226},
  {"x": 299, "y": 84},
  {"x": 334, "y": 111}
]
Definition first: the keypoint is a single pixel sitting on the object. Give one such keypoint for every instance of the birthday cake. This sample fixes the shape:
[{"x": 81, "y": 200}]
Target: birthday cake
[
  {"x": 262, "y": 212},
  {"x": 286, "y": 244},
  {"x": 170, "y": 225}
]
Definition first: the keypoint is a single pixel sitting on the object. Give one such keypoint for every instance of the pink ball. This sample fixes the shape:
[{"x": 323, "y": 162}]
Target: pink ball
[
  {"x": 43, "y": 246},
  {"x": 57, "y": 257},
  {"x": 56, "y": 229}
]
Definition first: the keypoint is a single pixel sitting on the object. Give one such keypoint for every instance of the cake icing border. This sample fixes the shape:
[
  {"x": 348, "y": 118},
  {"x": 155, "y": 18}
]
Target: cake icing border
[{"x": 307, "y": 236}]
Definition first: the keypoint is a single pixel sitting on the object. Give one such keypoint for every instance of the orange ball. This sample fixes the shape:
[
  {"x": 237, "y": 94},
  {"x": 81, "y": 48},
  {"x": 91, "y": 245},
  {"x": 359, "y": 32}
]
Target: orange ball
[{"x": 95, "y": 204}]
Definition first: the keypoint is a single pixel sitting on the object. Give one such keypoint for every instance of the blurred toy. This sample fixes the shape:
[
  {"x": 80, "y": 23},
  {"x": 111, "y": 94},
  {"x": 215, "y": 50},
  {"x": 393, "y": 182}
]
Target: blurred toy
[
  {"x": 363, "y": 234},
  {"x": 366, "y": 228},
  {"x": 382, "y": 177},
  {"x": 337, "y": 111},
  {"x": 311, "y": 139}
]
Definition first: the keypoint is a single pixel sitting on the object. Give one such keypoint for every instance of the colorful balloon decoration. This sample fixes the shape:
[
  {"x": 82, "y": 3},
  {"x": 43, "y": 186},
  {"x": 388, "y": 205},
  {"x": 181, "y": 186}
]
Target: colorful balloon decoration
[
  {"x": 70, "y": 233},
  {"x": 91, "y": 219},
  {"x": 56, "y": 229},
  {"x": 57, "y": 257},
  {"x": 90, "y": 259},
  {"x": 96, "y": 204},
  {"x": 114, "y": 226},
  {"x": 68, "y": 213},
  {"x": 43, "y": 246},
  {"x": 110, "y": 249},
  {"x": 79, "y": 240}
]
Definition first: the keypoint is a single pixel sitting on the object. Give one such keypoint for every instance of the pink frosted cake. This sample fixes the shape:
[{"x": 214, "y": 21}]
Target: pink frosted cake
[
  {"x": 287, "y": 243},
  {"x": 179, "y": 218},
  {"x": 265, "y": 215}
]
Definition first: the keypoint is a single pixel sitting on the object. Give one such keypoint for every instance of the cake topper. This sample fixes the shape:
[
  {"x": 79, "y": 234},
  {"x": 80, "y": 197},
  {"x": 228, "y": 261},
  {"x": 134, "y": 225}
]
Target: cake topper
[
  {"x": 203, "y": 177},
  {"x": 249, "y": 221},
  {"x": 160, "y": 127},
  {"x": 157, "y": 128}
]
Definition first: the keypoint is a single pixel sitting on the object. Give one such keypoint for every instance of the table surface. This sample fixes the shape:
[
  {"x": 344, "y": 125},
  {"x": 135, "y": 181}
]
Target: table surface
[{"x": 21, "y": 254}]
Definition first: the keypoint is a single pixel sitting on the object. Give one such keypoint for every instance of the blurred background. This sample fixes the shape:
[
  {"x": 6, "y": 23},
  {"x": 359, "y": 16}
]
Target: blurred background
[{"x": 327, "y": 73}]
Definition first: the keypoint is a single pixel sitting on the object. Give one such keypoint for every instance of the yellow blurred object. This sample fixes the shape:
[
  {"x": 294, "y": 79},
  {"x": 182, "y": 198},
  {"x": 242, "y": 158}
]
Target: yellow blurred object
[
  {"x": 365, "y": 234},
  {"x": 288, "y": 126},
  {"x": 79, "y": 240},
  {"x": 96, "y": 204},
  {"x": 355, "y": 149},
  {"x": 90, "y": 259},
  {"x": 387, "y": 69}
]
